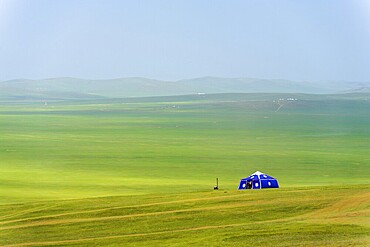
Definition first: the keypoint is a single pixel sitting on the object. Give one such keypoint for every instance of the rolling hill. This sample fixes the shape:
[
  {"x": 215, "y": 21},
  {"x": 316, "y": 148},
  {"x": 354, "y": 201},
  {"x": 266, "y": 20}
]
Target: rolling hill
[{"x": 73, "y": 88}]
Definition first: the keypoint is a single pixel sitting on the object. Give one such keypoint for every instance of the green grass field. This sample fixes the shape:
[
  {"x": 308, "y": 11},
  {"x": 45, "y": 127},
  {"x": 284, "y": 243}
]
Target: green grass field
[{"x": 139, "y": 172}]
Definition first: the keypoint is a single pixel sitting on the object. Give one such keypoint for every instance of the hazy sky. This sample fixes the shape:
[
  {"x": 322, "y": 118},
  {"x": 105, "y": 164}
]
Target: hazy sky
[{"x": 299, "y": 40}]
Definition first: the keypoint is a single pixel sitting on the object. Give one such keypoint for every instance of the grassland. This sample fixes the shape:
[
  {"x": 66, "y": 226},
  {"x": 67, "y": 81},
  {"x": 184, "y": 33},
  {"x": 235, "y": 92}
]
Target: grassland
[
  {"x": 320, "y": 216},
  {"x": 140, "y": 171}
]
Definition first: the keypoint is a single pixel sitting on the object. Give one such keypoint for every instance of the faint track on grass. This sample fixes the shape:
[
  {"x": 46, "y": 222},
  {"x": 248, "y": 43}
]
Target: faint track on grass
[
  {"x": 121, "y": 217},
  {"x": 31, "y": 210},
  {"x": 73, "y": 241},
  {"x": 118, "y": 207},
  {"x": 344, "y": 211}
]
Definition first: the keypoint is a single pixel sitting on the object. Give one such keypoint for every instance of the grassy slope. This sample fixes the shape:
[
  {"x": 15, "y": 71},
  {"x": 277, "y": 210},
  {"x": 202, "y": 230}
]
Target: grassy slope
[
  {"x": 120, "y": 147},
  {"x": 320, "y": 216}
]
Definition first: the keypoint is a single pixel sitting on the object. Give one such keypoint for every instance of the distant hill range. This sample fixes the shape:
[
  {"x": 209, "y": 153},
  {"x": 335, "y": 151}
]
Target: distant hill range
[{"x": 73, "y": 88}]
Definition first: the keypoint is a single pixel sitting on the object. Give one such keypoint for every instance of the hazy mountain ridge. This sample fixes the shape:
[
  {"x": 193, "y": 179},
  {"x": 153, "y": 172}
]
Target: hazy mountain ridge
[{"x": 74, "y": 88}]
